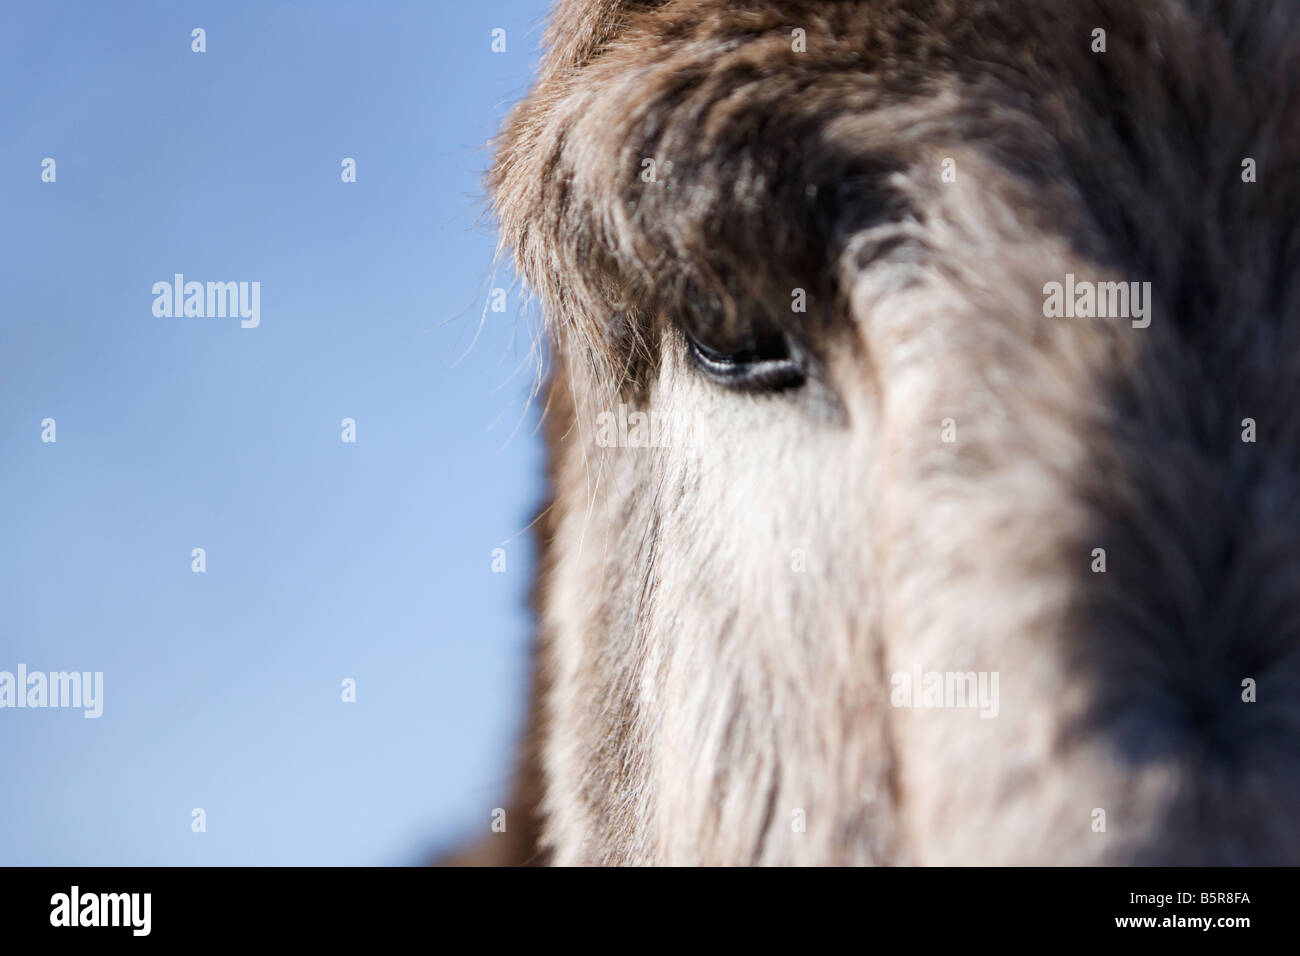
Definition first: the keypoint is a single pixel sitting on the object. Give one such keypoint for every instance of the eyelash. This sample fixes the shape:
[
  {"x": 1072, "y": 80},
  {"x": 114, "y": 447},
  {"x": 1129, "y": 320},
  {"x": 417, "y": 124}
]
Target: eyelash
[{"x": 748, "y": 369}]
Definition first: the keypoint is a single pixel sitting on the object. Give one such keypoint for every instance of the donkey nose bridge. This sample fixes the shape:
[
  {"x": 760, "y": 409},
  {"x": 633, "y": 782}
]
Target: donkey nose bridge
[{"x": 1163, "y": 561}]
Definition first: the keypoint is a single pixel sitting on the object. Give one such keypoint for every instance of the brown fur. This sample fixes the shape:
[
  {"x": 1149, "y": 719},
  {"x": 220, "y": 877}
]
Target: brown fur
[{"x": 702, "y": 701}]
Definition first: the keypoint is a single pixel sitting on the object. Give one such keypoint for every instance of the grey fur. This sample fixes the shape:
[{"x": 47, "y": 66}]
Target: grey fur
[{"x": 699, "y": 698}]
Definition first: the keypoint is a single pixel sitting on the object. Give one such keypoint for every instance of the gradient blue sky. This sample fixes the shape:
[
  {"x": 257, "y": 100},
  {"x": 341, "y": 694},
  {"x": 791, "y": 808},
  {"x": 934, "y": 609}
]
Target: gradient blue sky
[{"x": 325, "y": 560}]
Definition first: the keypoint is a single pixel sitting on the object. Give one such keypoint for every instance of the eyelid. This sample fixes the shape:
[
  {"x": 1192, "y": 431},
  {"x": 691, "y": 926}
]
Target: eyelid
[{"x": 747, "y": 370}]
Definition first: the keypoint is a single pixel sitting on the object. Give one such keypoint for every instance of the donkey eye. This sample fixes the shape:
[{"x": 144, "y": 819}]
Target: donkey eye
[{"x": 756, "y": 363}]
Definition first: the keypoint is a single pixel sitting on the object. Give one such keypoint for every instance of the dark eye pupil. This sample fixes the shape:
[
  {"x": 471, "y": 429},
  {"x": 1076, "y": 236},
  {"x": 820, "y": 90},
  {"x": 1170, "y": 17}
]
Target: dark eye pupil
[{"x": 753, "y": 363}]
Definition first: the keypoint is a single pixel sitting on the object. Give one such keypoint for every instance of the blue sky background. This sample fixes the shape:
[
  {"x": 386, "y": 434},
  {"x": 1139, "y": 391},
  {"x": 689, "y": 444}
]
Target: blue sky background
[{"x": 325, "y": 560}]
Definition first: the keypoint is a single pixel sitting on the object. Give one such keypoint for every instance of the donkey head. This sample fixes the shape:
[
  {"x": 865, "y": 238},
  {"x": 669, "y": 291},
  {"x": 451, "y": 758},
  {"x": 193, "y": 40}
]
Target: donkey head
[{"x": 924, "y": 451}]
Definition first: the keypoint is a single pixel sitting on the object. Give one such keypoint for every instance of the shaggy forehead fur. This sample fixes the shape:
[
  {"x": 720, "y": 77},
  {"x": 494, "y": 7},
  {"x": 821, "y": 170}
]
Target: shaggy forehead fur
[
  {"x": 741, "y": 126},
  {"x": 703, "y": 695}
]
